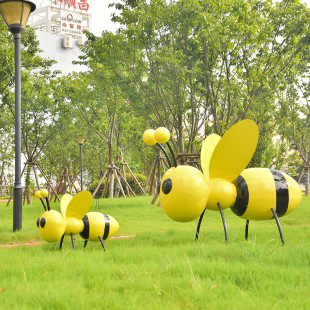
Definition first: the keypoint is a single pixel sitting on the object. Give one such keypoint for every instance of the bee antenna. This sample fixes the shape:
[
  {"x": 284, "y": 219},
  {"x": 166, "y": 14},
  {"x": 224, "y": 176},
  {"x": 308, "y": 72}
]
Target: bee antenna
[
  {"x": 163, "y": 136},
  {"x": 171, "y": 151},
  {"x": 44, "y": 206},
  {"x": 44, "y": 194},
  {"x": 166, "y": 154},
  {"x": 39, "y": 196},
  {"x": 48, "y": 204}
]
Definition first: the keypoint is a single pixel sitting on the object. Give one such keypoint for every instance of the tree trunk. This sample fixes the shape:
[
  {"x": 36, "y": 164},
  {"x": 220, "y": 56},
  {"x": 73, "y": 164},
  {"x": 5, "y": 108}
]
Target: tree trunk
[
  {"x": 27, "y": 185},
  {"x": 1, "y": 184},
  {"x": 181, "y": 134},
  {"x": 51, "y": 181},
  {"x": 117, "y": 190},
  {"x": 111, "y": 189},
  {"x": 307, "y": 181}
]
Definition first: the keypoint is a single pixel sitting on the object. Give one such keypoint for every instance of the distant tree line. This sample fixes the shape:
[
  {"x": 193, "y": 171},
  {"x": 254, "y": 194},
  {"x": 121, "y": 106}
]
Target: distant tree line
[{"x": 193, "y": 66}]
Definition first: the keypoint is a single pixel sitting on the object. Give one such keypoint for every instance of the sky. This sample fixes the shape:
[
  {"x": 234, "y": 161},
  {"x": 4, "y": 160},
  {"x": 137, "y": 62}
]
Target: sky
[{"x": 101, "y": 13}]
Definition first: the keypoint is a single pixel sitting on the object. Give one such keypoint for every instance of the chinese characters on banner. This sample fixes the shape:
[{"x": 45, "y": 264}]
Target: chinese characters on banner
[{"x": 77, "y": 4}]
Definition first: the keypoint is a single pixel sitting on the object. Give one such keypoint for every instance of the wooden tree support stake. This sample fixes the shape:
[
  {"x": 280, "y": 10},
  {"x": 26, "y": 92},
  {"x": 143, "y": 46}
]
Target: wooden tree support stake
[
  {"x": 119, "y": 182},
  {"x": 105, "y": 186},
  {"x": 48, "y": 182},
  {"x": 134, "y": 177},
  {"x": 100, "y": 182},
  {"x": 127, "y": 185}
]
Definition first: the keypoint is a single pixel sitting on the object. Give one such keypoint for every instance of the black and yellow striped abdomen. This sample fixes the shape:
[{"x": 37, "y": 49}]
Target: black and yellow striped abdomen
[
  {"x": 99, "y": 224},
  {"x": 260, "y": 189}
]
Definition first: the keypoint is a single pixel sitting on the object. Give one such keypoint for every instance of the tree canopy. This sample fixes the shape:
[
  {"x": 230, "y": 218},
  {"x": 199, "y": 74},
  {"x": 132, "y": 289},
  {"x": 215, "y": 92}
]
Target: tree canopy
[{"x": 193, "y": 66}]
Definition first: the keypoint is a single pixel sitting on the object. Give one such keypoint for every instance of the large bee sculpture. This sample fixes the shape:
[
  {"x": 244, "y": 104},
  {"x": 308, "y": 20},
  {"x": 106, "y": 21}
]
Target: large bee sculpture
[
  {"x": 253, "y": 194},
  {"x": 92, "y": 226}
]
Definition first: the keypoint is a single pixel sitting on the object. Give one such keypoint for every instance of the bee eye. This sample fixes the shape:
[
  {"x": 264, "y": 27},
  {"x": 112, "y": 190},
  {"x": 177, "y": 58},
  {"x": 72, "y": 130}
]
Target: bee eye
[
  {"x": 42, "y": 222},
  {"x": 38, "y": 222},
  {"x": 167, "y": 186}
]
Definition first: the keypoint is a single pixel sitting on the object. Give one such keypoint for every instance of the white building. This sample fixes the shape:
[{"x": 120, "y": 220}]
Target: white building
[{"x": 59, "y": 28}]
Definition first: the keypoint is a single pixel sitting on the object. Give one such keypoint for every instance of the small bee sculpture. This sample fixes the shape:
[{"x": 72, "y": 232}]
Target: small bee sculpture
[
  {"x": 92, "y": 226},
  {"x": 253, "y": 194}
]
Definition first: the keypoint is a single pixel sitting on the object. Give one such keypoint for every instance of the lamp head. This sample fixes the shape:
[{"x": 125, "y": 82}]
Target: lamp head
[
  {"x": 80, "y": 140},
  {"x": 15, "y": 13}
]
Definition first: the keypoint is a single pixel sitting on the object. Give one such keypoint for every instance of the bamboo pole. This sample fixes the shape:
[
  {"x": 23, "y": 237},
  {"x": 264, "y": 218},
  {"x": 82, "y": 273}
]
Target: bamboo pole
[
  {"x": 300, "y": 174},
  {"x": 124, "y": 175},
  {"x": 69, "y": 182},
  {"x": 100, "y": 182},
  {"x": 119, "y": 182},
  {"x": 36, "y": 176},
  {"x": 48, "y": 182},
  {"x": 150, "y": 174},
  {"x": 152, "y": 179},
  {"x": 105, "y": 186},
  {"x": 58, "y": 186},
  {"x": 128, "y": 185},
  {"x": 7, "y": 185},
  {"x": 158, "y": 169},
  {"x": 134, "y": 177},
  {"x": 162, "y": 164},
  {"x": 72, "y": 183}
]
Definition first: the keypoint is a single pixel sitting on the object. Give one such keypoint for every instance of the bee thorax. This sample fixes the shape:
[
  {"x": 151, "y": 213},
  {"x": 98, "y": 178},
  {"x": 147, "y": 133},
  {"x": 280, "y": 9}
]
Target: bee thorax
[
  {"x": 223, "y": 192},
  {"x": 74, "y": 226}
]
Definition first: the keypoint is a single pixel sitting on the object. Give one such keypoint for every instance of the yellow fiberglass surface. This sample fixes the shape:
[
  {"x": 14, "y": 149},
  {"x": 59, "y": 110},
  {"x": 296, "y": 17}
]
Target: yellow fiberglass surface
[
  {"x": 234, "y": 151},
  {"x": 207, "y": 150},
  {"x": 79, "y": 205},
  {"x": 66, "y": 198}
]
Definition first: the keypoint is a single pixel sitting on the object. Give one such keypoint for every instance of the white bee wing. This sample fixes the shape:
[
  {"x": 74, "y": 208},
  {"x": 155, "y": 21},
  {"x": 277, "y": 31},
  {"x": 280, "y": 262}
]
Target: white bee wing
[
  {"x": 207, "y": 150},
  {"x": 66, "y": 198},
  {"x": 234, "y": 151}
]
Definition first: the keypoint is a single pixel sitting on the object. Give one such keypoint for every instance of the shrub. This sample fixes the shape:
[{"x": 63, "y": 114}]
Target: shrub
[
  {"x": 130, "y": 180},
  {"x": 93, "y": 186},
  {"x": 132, "y": 183}
]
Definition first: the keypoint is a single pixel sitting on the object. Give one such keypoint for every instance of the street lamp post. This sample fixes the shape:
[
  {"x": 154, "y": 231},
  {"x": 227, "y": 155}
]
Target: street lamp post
[
  {"x": 15, "y": 13},
  {"x": 80, "y": 141}
]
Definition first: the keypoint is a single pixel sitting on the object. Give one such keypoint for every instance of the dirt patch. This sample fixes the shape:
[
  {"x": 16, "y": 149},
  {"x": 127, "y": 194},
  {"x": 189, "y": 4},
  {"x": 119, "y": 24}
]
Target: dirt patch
[
  {"x": 39, "y": 243},
  {"x": 122, "y": 237},
  {"x": 20, "y": 244}
]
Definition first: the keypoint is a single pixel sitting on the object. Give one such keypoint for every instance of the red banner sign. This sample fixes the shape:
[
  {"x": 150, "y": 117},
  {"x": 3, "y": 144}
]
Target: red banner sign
[{"x": 77, "y": 4}]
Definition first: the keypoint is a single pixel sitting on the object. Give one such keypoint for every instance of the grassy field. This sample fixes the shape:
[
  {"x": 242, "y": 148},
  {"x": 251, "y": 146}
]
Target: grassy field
[{"x": 162, "y": 267}]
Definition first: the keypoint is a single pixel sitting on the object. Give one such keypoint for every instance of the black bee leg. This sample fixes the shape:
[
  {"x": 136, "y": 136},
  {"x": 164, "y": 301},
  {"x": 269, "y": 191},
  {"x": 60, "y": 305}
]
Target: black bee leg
[
  {"x": 199, "y": 223},
  {"x": 224, "y": 222},
  {"x": 278, "y": 223},
  {"x": 72, "y": 239},
  {"x": 102, "y": 243},
  {"x": 247, "y": 229},
  {"x": 61, "y": 241},
  {"x": 85, "y": 243}
]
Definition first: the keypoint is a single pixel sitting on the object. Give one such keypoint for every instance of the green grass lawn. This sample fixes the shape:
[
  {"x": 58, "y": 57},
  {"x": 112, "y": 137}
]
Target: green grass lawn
[{"x": 162, "y": 267}]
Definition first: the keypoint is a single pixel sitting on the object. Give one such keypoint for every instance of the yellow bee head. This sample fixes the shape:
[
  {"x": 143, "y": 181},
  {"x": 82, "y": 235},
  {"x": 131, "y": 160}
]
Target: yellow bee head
[
  {"x": 185, "y": 191},
  {"x": 52, "y": 225}
]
